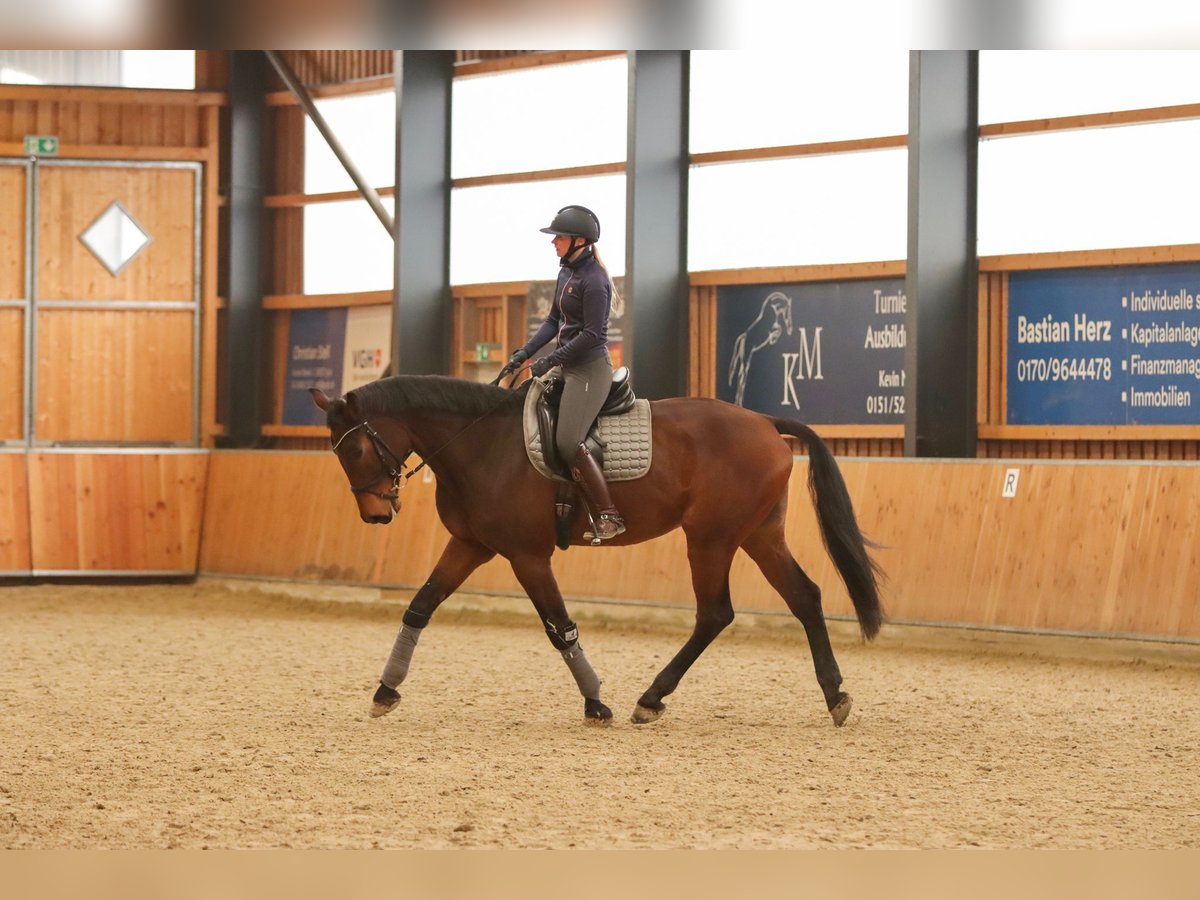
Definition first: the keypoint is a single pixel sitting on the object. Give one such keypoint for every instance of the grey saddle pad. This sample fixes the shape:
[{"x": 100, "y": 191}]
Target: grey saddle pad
[{"x": 626, "y": 439}]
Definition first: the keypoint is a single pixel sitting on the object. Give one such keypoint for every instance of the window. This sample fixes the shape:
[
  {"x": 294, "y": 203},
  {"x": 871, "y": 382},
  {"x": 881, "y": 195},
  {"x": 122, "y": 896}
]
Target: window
[
  {"x": 1016, "y": 85},
  {"x": 494, "y": 230},
  {"x": 550, "y": 117},
  {"x": 764, "y": 99},
  {"x": 846, "y": 207},
  {"x": 346, "y": 248},
  {"x": 365, "y": 125},
  {"x": 1134, "y": 186},
  {"x": 814, "y": 209},
  {"x": 103, "y": 68}
]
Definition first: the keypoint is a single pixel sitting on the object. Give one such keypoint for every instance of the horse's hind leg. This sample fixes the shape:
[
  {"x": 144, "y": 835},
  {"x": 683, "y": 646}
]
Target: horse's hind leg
[
  {"x": 458, "y": 560},
  {"x": 537, "y": 578},
  {"x": 766, "y": 546},
  {"x": 710, "y": 563}
]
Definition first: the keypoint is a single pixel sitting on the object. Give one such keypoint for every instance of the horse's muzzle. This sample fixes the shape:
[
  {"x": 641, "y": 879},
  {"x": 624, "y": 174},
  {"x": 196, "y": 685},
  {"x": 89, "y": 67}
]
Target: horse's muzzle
[{"x": 382, "y": 518}]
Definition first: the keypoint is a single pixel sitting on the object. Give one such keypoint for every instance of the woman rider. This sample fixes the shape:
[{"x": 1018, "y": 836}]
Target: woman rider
[{"x": 578, "y": 318}]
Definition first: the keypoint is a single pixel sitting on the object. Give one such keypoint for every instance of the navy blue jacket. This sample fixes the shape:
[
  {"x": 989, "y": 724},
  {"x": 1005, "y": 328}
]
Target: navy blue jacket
[{"x": 579, "y": 314}]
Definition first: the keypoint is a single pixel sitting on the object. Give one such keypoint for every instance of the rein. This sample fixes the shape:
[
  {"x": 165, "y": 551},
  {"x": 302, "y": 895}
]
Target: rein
[{"x": 396, "y": 473}]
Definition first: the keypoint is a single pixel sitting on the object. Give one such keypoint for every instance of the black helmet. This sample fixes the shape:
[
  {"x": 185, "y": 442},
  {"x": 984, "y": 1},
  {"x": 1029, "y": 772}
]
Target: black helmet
[{"x": 575, "y": 221}]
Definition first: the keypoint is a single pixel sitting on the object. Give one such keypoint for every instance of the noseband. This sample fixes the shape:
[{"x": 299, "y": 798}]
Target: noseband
[{"x": 395, "y": 472}]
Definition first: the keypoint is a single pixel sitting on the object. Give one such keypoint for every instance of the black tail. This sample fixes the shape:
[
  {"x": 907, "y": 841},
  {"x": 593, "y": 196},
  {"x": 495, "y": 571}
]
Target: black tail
[{"x": 839, "y": 529}]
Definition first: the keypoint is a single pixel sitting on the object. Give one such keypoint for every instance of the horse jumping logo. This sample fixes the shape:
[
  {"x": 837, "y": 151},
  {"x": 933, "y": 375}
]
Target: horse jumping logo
[{"x": 774, "y": 317}]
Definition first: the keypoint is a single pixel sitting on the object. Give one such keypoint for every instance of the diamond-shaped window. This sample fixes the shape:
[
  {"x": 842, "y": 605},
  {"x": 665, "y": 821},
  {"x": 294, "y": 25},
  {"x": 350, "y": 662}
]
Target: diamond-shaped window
[{"x": 115, "y": 237}]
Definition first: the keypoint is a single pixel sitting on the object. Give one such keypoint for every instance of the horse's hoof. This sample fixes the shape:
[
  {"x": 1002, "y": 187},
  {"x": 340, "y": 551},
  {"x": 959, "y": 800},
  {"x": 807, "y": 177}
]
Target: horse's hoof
[
  {"x": 644, "y": 715},
  {"x": 382, "y": 709},
  {"x": 841, "y": 709},
  {"x": 596, "y": 713},
  {"x": 385, "y": 700}
]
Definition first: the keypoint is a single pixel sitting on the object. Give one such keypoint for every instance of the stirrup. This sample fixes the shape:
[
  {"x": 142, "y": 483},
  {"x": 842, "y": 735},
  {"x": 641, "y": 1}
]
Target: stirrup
[{"x": 606, "y": 526}]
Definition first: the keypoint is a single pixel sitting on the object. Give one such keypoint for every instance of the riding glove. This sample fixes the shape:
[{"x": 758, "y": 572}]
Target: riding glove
[
  {"x": 540, "y": 366},
  {"x": 515, "y": 361}
]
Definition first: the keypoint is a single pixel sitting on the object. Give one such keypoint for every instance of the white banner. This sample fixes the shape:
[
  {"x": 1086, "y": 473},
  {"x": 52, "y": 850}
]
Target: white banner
[{"x": 368, "y": 336}]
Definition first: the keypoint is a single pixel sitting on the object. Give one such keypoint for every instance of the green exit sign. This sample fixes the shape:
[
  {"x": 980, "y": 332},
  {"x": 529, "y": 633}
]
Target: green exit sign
[
  {"x": 482, "y": 352},
  {"x": 41, "y": 145}
]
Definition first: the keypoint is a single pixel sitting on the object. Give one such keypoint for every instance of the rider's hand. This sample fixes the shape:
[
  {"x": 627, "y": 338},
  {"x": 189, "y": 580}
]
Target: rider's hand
[
  {"x": 540, "y": 367},
  {"x": 516, "y": 360}
]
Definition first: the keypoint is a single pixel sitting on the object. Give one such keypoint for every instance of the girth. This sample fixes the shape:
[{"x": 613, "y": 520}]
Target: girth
[{"x": 620, "y": 400}]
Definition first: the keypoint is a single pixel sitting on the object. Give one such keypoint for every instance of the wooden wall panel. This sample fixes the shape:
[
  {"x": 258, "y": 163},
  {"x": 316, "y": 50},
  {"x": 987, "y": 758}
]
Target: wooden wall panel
[
  {"x": 14, "y": 515},
  {"x": 1082, "y": 547},
  {"x": 315, "y": 67},
  {"x": 80, "y": 117},
  {"x": 116, "y": 512},
  {"x": 12, "y": 390},
  {"x": 285, "y": 244},
  {"x": 163, "y": 203},
  {"x": 12, "y": 232},
  {"x": 114, "y": 375},
  {"x": 286, "y": 515}
]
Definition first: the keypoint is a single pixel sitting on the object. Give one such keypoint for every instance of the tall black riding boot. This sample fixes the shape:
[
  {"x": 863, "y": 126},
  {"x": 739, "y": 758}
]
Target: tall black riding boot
[{"x": 590, "y": 476}]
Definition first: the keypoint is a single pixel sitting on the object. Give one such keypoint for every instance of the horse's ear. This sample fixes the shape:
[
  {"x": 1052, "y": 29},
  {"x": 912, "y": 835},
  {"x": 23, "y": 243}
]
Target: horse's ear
[{"x": 320, "y": 399}]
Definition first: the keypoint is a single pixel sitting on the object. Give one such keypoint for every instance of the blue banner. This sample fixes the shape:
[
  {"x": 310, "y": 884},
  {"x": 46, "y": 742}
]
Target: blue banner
[
  {"x": 316, "y": 347},
  {"x": 1112, "y": 346},
  {"x": 824, "y": 352}
]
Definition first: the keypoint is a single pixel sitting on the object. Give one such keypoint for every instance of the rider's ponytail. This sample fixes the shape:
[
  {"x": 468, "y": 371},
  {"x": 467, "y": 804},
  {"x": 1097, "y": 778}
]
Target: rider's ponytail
[{"x": 616, "y": 296}]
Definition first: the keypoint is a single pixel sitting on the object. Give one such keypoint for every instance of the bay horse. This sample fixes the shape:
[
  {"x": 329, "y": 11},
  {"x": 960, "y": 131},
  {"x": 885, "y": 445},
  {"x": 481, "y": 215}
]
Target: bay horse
[{"x": 719, "y": 471}]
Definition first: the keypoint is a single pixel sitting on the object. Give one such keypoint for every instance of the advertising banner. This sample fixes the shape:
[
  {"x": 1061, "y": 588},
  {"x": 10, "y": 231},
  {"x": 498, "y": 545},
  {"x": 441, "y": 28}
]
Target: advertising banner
[
  {"x": 334, "y": 350},
  {"x": 1111, "y": 346},
  {"x": 822, "y": 352},
  {"x": 368, "y": 339}
]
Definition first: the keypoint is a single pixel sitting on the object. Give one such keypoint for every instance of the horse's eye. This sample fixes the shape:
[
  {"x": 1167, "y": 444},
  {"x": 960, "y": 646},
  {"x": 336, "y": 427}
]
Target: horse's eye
[{"x": 356, "y": 452}]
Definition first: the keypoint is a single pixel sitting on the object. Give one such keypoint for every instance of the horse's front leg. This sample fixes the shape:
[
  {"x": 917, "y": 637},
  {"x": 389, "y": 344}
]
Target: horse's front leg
[
  {"x": 537, "y": 578},
  {"x": 459, "y": 559}
]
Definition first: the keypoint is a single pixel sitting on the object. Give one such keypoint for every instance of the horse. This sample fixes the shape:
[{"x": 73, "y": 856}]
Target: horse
[{"x": 719, "y": 471}]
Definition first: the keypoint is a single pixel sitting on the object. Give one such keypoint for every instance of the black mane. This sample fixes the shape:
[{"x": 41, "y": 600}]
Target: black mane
[{"x": 398, "y": 393}]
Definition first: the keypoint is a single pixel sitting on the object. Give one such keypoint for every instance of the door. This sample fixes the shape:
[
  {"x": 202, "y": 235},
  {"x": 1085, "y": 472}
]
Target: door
[
  {"x": 14, "y": 298},
  {"x": 115, "y": 299}
]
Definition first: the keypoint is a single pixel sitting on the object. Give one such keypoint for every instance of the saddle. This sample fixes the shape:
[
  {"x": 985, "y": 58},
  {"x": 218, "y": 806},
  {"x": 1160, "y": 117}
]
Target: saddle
[
  {"x": 620, "y": 400},
  {"x": 621, "y": 430}
]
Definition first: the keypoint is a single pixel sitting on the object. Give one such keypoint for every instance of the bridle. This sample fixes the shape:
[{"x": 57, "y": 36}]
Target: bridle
[{"x": 395, "y": 472}]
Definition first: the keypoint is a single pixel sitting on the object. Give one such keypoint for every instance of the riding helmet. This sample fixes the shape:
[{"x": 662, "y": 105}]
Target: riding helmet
[{"x": 575, "y": 221}]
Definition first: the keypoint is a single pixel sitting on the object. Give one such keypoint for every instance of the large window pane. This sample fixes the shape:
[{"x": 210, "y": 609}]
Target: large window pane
[
  {"x": 346, "y": 248},
  {"x": 1015, "y": 85},
  {"x": 159, "y": 69},
  {"x": 847, "y": 207},
  {"x": 103, "y": 68},
  {"x": 550, "y": 117},
  {"x": 365, "y": 124},
  {"x": 1135, "y": 186},
  {"x": 494, "y": 230},
  {"x": 743, "y": 98}
]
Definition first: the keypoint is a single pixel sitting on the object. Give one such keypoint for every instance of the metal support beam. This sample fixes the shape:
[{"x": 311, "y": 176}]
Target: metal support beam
[
  {"x": 247, "y": 94},
  {"x": 942, "y": 274},
  {"x": 656, "y": 221},
  {"x": 421, "y": 286},
  {"x": 301, "y": 93}
]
